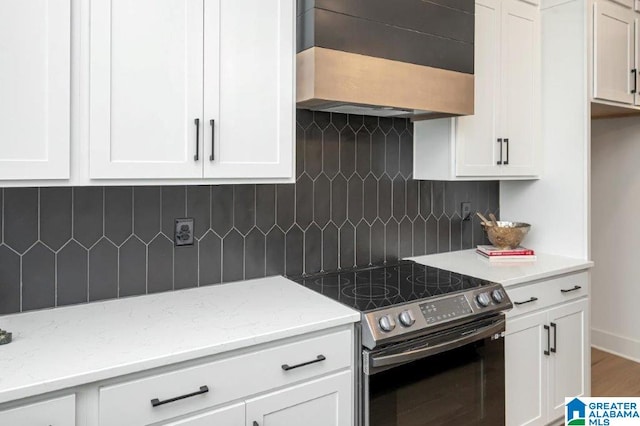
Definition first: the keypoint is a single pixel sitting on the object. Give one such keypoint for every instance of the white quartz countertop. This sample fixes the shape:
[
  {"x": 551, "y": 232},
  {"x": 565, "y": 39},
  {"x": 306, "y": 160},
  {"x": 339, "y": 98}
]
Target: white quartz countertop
[
  {"x": 469, "y": 262},
  {"x": 63, "y": 347}
]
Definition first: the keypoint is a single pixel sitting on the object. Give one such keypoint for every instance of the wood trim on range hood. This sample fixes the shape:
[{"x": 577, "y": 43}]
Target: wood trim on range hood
[{"x": 328, "y": 78}]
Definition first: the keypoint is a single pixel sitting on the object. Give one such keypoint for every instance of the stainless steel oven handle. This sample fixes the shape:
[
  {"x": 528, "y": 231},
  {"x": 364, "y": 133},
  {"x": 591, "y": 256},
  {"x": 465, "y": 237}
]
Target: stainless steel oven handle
[{"x": 403, "y": 357}]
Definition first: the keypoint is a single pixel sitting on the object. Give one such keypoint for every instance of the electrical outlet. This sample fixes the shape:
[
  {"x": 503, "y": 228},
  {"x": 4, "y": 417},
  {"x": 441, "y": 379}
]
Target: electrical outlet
[
  {"x": 184, "y": 232},
  {"x": 466, "y": 211}
]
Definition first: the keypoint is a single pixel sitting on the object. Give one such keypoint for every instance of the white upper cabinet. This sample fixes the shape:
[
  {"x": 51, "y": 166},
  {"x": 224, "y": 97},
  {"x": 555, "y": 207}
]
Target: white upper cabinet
[
  {"x": 520, "y": 126},
  {"x": 146, "y": 88},
  {"x": 192, "y": 89},
  {"x": 249, "y": 88},
  {"x": 502, "y": 140},
  {"x": 613, "y": 49},
  {"x": 477, "y": 135},
  {"x": 35, "y": 89}
]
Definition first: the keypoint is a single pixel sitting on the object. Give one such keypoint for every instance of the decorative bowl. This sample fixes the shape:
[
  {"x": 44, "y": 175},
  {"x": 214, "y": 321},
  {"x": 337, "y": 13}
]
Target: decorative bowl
[{"x": 507, "y": 235}]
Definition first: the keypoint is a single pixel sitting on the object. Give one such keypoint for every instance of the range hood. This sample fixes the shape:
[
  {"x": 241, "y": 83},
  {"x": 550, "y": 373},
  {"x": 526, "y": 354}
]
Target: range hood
[{"x": 409, "y": 58}]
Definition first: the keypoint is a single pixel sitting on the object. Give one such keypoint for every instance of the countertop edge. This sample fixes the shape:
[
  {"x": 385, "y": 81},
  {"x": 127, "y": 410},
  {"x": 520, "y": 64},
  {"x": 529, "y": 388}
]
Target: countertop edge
[
  {"x": 543, "y": 275},
  {"x": 16, "y": 394}
]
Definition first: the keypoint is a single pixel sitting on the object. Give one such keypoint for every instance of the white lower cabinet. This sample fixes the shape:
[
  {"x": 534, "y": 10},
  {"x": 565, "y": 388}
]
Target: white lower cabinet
[
  {"x": 54, "y": 412},
  {"x": 227, "y": 416},
  {"x": 546, "y": 349},
  {"x": 322, "y": 402}
]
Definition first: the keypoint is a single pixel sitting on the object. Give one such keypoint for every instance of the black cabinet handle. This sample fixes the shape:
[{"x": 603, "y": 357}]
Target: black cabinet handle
[
  {"x": 156, "y": 402},
  {"x": 213, "y": 139},
  {"x": 197, "y": 156},
  {"x": 555, "y": 337},
  {"x": 255, "y": 423},
  {"x": 533, "y": 299},
  {"x": 500, "y": 142},
  {"x": 571, "y": 289},
  {"x": 287, "y": 367},
  {"x": 548, "y": 351},
  {"x": 634, "y": 75},
  {"x": 506, "y": 163}
]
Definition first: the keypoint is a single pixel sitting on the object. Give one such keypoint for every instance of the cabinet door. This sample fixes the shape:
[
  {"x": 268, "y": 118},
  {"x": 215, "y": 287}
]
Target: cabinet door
[
  {"x": 477, "y": 148},
  {"x": 54, "y": 412},
  {"x": 613, "y": 52},
  {"x": 520, "y": 92},
  {"x": 567, "y": 367},
  {"x": 35, "y": 80},
  {"x": 249, "y": 88},
  {"x": 146, "y": 88},
  {"x": 322, "y": 402},
  {"x": 526, "y": 368},
  {"x": 227, "y": 416}
]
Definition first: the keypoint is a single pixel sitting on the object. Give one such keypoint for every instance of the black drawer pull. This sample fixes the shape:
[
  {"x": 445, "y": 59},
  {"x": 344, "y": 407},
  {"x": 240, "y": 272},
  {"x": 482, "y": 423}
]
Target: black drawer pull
[
  {"x": 500, "y": 161},
  {"x": 548, "y": 351},
  {"x": 506, "y": 163},
  {"x": 533, "y": 299},
  {"x": 256, "y": 423},
  {"x": 555, "y": 337},
  {"x": 287, "y": 367},
  {"x": 213, "y": 139},
  {"x": 156, "y": 402},
  {"x": 571, "y": 289},
  {"x": 197, "y": 123}
]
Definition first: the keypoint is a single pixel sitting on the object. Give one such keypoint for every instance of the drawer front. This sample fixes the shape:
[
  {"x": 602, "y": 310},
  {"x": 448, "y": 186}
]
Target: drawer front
[
  {"x": 55, "y": 412},
  {"x": 543, "y": 294},
  {"x": 225, "y": 380}
]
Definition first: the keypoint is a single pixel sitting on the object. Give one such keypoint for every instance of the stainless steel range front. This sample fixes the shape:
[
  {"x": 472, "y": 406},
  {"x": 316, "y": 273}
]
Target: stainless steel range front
[{"x": 432, "y": 344}]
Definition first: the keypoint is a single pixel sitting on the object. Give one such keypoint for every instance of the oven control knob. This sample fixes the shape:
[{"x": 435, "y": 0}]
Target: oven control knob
[
  {"x": 406, "y": 318},
  {"x": 387, "y": 323},
  {"x": 497, "y": 296},
  {"x": 483, "y": 299}
]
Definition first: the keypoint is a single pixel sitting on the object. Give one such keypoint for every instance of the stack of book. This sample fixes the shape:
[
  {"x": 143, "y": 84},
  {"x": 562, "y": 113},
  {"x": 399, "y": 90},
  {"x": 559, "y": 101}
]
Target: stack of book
[{"x": 509, "y": 255}]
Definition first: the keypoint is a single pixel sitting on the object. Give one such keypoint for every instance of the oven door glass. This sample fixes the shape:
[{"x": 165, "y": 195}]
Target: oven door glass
[{"x": 460, "y": 386}]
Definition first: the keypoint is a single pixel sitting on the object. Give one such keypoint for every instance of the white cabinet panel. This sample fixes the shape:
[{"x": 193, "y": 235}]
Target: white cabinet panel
[
  {"x": 54, "y": 412},
  {"x": 568, "y": 332},
  {"x": 323, "y": 402},
  {"x": 250, "y": 87},
  {"x": 35, "y": 85},
  {"x": 520, "y": 124},
  {"x": 526, "y": 370},
  {"x": 613, "y": 51},
  {"x": 476, "y": 135},
  {"x": 146, "y": 88},
  {"x": 227, "y": 416},
  {"x": 502, "y": 140},
  {"x": 546, "y": 351}
]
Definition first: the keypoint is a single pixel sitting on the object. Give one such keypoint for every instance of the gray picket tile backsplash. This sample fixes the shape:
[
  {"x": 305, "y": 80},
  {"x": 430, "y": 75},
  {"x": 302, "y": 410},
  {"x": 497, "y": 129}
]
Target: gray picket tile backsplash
[{"x": 354, "y": 203}]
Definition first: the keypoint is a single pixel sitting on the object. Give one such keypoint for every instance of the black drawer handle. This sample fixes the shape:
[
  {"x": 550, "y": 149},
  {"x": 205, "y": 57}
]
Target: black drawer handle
[
  {"x": 548, "y": 351},
  {"x": 156, "y": 402},
  {"x": 213, "y": 139},
  {"x": 571, "y": 289},
  {"x": 197, "y": 123},
  {"x": 554, "y": 349},
  {"x": 506, "y": 163},
  {"x": 533, "y": 299},
  {"x": 256, "y": 423},
  {"x": 287, "y": 367},
  {"x": 500, "y": 142},
  {"x": 634, "y": 75}
]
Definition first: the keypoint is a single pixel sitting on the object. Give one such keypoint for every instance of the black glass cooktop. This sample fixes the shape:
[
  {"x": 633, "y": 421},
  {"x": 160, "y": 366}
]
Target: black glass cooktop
[{"x": 382, "y": 286}]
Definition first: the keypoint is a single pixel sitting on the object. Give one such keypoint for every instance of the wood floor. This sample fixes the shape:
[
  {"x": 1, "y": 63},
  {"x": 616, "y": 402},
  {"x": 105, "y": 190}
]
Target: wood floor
[{"x": 613, "y": 376}]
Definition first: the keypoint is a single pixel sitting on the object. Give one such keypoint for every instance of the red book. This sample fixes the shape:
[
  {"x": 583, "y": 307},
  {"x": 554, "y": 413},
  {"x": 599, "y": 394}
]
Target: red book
[{"x": 492, "y": 251}]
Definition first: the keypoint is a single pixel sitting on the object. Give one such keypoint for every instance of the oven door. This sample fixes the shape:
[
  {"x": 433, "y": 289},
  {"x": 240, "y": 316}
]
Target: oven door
[{"x": 455, "y": 377}]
